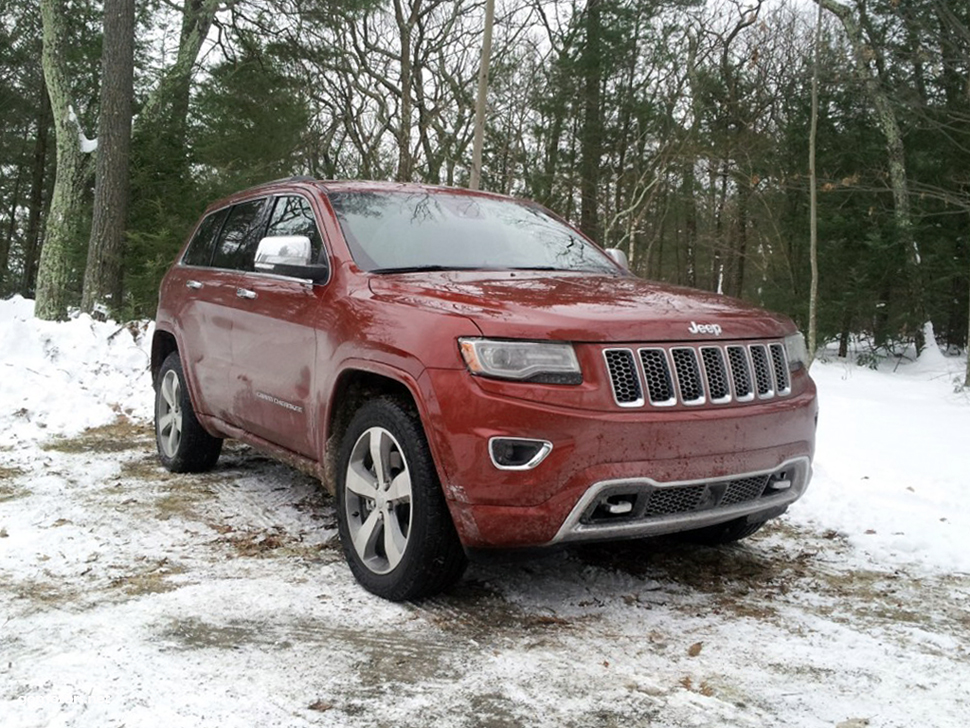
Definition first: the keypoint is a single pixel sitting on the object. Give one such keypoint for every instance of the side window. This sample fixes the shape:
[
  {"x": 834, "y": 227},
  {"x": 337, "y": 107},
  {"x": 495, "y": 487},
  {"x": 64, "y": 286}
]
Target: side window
[
  {"x": 292, "y": 215},
  {"x": 199, "y": 251},
  {"x": 240, "y": 236}
]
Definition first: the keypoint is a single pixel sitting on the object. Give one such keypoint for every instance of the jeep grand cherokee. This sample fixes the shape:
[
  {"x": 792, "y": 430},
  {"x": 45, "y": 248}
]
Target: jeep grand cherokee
[{"x": 466, "y": 371}]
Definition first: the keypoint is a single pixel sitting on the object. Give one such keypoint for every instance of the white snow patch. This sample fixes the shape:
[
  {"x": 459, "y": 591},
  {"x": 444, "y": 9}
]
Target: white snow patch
[
  {"x": 60, "y": 378},
  {"x": 87, "y": 145}
]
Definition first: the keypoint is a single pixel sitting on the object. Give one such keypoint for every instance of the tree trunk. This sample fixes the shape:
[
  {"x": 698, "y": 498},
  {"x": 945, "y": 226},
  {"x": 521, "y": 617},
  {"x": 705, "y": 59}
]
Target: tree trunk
[
  {"x": 740, "y": 257},
  {"x": 405, "y": 25},
  {"x": 103, "y": 274},
  {"x": 36, "y": 205},
  {"x": 966, "y": 379},
  {"x": 11, "y": 228},
  {"x": 479, "y": 142},
  {"x": 592, "y": 133},
  {"x": 691, "y": 223},
  {"x": 168, "y": 104},
  {"x": 813, "y": 203},
  {"x": 54, "y": 276}
]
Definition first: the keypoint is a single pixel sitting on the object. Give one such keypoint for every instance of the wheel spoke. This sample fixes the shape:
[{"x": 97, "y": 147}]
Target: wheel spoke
[
  {"x": 173, "y": 441},
  {"x": 380, "y": 446},
  {"x": 394, "y": 541},
  {"x": 399, "y": 490},
  {"x": 360, "y": 481},
  {"x": 165, "y": 422},
  {"x": 366, "y": 537},
  {"x": 169, "y": 383}
]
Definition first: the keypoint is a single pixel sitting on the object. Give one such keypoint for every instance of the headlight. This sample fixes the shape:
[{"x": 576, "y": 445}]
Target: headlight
[
  {"x": 526, "y": 361},
  {"x": 795, "y": 348}
]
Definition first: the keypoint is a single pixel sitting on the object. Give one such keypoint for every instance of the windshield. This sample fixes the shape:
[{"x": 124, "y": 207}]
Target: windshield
[{"x": 400, "y": 231}]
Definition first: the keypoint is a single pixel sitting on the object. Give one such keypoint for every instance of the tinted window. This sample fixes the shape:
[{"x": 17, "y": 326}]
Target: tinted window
[
  {"x": 389, "y": 231},
  {"x": 239, "y": 237},
  {"x": 199, "y": 251},
  {"x": 294, "y": 216}
]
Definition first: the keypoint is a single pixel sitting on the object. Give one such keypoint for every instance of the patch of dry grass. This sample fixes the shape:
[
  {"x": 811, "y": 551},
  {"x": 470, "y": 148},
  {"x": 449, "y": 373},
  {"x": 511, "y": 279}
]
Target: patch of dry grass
[
  {"x": 121, "y": 435},
  {"x": 153, "y": 579}
]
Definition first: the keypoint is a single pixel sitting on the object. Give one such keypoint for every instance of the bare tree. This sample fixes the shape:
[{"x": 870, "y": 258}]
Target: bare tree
[
  {"x": 476, "y": 172},
  {"x": 813, "y": 189}
]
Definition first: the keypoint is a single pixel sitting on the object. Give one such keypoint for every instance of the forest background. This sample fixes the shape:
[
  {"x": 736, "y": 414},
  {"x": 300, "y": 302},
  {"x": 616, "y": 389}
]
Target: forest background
[{"x": 676, "y": 130}]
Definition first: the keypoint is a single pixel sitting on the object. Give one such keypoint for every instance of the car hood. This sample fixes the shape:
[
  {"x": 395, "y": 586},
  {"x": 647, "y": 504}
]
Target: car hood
[{"x": 580, "y": 307}]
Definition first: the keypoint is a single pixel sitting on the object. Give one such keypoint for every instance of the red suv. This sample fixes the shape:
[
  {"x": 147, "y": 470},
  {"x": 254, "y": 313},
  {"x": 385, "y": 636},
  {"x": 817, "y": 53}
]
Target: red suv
[{"x": 466, "y": 371}]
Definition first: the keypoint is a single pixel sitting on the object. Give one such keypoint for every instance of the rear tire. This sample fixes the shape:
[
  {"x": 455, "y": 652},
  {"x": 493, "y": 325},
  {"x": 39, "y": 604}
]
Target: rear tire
[
  {"x": 395, "y": 528},
  {"x": 183, "y": 444},
  {"x": 722, "y": 533}
]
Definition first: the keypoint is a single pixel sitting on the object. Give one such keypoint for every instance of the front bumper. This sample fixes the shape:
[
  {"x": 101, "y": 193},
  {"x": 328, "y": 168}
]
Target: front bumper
[{"x": 599, "y": 454}]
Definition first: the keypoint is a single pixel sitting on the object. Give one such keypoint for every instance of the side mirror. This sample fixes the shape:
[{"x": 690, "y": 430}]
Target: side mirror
[
  {"x": 619, "y": 257},
  {"x": 289, "y": 255}
]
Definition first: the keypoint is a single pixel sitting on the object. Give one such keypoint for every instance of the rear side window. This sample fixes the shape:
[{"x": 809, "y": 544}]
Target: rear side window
[
  {"x": 292, "y": 215},
  {"x": 240, "y": 236},
  {"x": 199, "y": 251}
]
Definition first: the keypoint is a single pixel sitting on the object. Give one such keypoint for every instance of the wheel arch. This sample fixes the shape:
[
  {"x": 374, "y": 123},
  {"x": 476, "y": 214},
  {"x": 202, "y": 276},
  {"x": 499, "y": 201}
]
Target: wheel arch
[
  {"x": 163, "y": 344},
  {"x": 354, "y": 386}
]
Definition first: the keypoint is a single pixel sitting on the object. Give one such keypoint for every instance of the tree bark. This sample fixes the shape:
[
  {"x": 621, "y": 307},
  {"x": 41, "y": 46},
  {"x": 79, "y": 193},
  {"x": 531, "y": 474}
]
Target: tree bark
[
  {"x": 11, "y": 227},
  {"x": 813, "y": 201},
  {"x": 405, "y": 26},
  {"x": 592, "y": 132},
  {"x": 36, "y": 204},
  {"x": 103, "y": 274},
  {"x": 479, "y": 142},
  {"x": 168, "y": 104},
  {"x": 64, "y": 223}
]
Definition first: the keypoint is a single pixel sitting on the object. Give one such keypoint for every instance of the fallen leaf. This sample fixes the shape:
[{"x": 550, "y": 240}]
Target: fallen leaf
[
  {"x": 695, "y": 649},
  {"x": 321, "y": 706}
]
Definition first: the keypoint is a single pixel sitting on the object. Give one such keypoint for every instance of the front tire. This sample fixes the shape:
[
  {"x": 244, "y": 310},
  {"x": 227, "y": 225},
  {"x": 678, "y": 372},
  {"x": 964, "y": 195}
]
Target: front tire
[
  {"x": 395, "y": 528},
  {"x": 183, "y": 444}
]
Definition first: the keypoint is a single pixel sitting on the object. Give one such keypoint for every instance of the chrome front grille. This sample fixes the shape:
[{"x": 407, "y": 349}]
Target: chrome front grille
[
  {"x": 624, "y": 377},
  {"x": 692, "y": 375}
]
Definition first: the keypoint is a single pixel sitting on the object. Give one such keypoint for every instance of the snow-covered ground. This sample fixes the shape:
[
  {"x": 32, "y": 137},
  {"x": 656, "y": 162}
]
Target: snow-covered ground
[{"x": 133, "y": 597}]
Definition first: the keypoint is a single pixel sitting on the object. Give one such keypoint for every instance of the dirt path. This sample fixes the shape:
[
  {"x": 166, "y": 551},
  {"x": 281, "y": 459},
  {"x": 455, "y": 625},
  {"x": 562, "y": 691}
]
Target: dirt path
[{"x": 131, "y": 596}]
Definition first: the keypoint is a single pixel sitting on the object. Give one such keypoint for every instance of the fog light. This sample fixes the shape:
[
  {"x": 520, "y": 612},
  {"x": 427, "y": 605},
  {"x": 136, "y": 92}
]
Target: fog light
[
  {"x": 779, "y": 482},
  {"x": 517, "y": 453}
]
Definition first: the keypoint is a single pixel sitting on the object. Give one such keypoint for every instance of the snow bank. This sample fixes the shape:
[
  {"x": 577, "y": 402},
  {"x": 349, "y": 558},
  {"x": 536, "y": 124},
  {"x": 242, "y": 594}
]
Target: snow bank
[
  {"x": 60, "y": 378},
  {"x": 891, "y": 460}
]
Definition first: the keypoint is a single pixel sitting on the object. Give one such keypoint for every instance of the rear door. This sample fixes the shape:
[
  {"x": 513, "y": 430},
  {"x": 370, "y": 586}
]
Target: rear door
[
  {"x": 216, "y": 301},
  {"x": 200, "y": 318}
]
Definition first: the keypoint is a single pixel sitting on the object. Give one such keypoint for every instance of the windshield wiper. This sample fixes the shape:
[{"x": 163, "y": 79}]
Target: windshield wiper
[{"x": 420, "y": 268}]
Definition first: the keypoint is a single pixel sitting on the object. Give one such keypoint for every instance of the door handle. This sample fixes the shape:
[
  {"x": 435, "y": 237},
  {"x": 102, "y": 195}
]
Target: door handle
[
  {"x": 194, "y": 285},
  {"x": 245, "y": 293}
]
